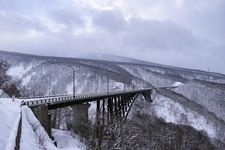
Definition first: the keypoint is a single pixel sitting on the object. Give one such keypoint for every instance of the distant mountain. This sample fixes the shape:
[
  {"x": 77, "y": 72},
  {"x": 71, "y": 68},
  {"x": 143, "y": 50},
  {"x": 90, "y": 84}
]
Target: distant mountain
[{"x": 114, "y": 58}]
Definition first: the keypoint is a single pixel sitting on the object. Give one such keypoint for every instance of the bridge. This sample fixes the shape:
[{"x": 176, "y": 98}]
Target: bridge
[{"x": 110, "y": 107}]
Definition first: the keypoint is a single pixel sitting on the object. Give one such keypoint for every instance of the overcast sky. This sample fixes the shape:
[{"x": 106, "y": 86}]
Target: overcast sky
[{"x": 187, "y": 33}]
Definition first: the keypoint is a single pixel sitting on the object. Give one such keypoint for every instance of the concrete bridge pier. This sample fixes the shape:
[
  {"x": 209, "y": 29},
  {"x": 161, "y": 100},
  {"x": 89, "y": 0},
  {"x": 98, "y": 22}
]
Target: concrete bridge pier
[
  {"x": 41, "y": 113},
  {"x": 80, "y": 116}
]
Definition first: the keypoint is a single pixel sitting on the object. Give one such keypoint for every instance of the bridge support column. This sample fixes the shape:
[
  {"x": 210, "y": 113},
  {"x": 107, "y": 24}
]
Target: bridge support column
[
  {"x": 80, "y": 116},
  {"x": 115, "y": 108},
  {"x": 110, "y": 110},
  {"x": 41, "y": 113}
]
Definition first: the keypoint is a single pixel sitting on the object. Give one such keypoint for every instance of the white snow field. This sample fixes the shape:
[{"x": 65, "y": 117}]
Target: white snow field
[
  {"x": 33, "y": 135},
  {"x": 175, "y": 113},
  {"x": 19, "y": 70},
  {"x": 9, "y": 117},
  {"x": 177, "y": 84},
  {"x": 66, "y": 141}
]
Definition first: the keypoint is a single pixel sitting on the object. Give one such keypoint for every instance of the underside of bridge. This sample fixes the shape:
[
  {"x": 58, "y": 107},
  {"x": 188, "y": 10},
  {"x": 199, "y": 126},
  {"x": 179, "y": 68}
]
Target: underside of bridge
[
  {"x": 116, "y": 108},
  {"x": 114, "y": 111}
]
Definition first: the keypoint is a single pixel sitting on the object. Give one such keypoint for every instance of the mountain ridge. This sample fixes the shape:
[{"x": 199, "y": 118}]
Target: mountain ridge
[{"x": 138, "y": 62}]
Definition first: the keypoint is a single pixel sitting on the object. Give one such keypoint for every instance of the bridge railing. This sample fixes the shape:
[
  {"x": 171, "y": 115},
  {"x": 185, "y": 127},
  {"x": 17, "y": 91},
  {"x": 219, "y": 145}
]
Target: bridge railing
[
  {"x": 77, "y": 95},
  {"x": 70, "y": 97},
  {"x": 91, "y": 94},
  {"x": 58, "y": 98}
]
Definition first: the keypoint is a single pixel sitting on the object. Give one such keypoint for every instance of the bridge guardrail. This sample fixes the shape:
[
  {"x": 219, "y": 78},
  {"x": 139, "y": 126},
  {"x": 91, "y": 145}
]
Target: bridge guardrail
[
  {"x": 62, "y": 98},
  {"x": 77, "y": 95},
  {"x": 58, "y": 98},
  {"x": 88, "y": 94}
]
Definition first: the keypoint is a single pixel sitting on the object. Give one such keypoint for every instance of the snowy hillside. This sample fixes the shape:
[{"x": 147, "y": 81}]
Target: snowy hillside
[
  {"x": 10, "y": 117},
  {"x": 199, "y": 100}
]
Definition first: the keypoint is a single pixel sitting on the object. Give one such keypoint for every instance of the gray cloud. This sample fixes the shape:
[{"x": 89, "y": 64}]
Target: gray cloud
[
  {"x": 158, "y": 35},
  {"x": 147, "y": 35},
  {"x": 112, "y": 21},
  {"x": 13, "y": 23},
  {"x": 189, "y": 37},
  {"x": 67, "y": 17}
]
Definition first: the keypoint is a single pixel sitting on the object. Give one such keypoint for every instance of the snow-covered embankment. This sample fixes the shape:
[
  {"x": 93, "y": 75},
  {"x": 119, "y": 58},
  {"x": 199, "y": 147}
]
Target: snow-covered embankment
[{"x": 10, "y": 117}]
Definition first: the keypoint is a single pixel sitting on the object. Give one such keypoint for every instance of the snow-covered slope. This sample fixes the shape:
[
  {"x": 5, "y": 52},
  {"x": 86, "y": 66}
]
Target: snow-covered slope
[
  {"x": 3, "y": 94},
  {"x": 10, "y": 117},
  {"x": 198, "y": 101},
  {"x": 33, "y": 135},
  {"x": 66, "y": 141}
]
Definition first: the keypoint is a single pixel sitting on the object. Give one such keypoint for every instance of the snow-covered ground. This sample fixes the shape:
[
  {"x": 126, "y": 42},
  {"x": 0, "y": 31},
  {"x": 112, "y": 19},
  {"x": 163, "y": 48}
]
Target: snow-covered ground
[
  {"x": 33, "y": 135},
  {"x": 3, "y": 94},
  {"x": 10, "y": 117},
  {"x": 66, "y": 141},
  {"x": 177, "y": 84},
  {"x": 19, "y": 70},
  {"x": 173, "y": 112}
]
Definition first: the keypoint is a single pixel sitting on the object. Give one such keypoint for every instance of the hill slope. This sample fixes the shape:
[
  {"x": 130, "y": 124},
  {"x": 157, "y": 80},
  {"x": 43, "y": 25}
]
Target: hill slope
[{"x": 199, "y": 101}]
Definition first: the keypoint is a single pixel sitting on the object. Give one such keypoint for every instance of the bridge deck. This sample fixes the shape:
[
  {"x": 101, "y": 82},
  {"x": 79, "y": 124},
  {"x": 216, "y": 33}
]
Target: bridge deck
[{"x": 67, "y": 100}]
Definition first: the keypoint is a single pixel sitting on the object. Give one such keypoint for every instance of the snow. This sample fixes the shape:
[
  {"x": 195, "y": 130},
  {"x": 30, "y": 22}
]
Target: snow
[
  {"x": 33, "y": 134},
  {"x": 69, "y": 88},
  {"x": 118, "y": 86},
  {"x": 3, "y": 94},
  {"x": 176, "y": 113},
  {"x": 66, "y": 141},
  {"x": 27, "y": 79},
  {"x": 177, "y": 84},
  {"x": 10, "y": 116},
  {"x": 11, "y": 140},
  {"x": 19, "y": 70},
  {"x": 92, "y": 112}
]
